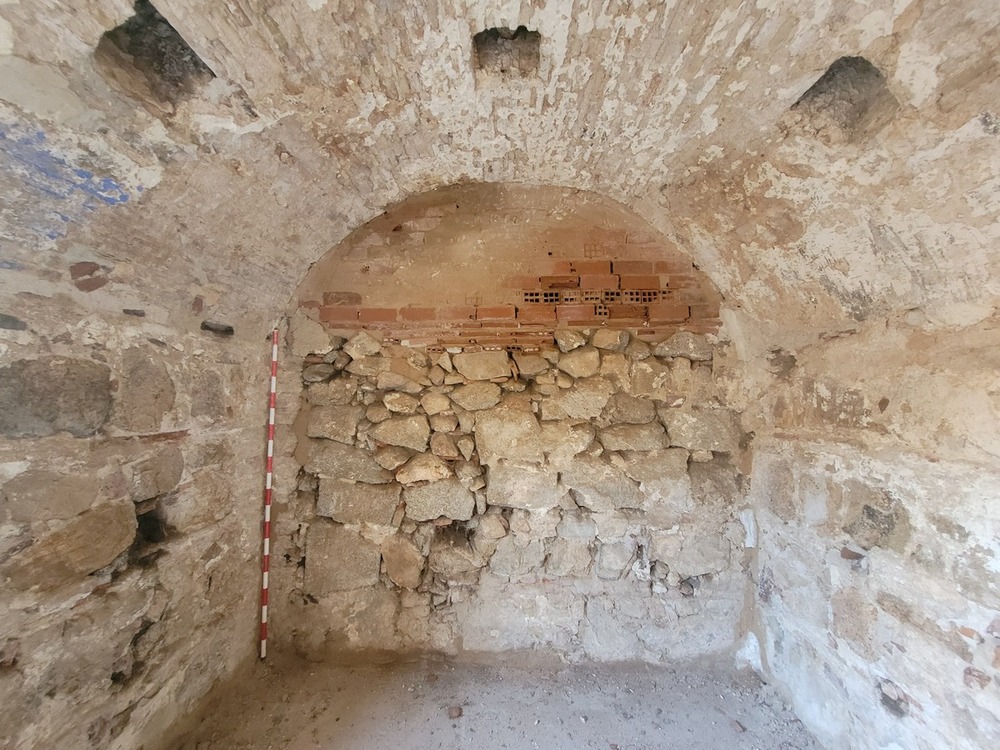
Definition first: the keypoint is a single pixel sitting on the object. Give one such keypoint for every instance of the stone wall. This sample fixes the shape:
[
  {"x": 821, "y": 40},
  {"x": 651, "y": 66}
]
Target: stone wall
[
  {"x": 129, "y": 516},
  {"x": 581, "y": 500},
  {"x": 875, "y": 484}
]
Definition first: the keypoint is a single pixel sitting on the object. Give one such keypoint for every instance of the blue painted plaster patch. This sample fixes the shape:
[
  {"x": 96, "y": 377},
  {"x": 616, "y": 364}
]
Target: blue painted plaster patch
[{"x": 55, "y": 191}]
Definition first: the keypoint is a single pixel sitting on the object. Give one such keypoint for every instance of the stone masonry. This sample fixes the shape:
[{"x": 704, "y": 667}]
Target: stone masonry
[{"x": 583, "y": 498}]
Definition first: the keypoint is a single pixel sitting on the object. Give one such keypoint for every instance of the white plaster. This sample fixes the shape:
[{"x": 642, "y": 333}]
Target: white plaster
[
  {"x": 6, "y": 37},
  {"x": 38, "y": 89}
]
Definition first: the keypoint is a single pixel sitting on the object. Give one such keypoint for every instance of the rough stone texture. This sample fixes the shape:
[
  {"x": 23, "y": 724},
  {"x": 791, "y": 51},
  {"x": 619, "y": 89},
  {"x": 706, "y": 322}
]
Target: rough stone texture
[
  {"x": 338, "y": 559},
  {"x": 828, "y": 241},
  {"x": 338, "y": 423},
  {"x": 330, "y": 459},
  {"x": 156, "y": 474},
  {"x": 407, "y": 432},
  {"x": 586, "y": 400},
  {"x": 145, "y": 393},
  {"x": 482, "y": 365},
  {"x": 404, "y": 563},
  {"x": 424, "y": 467},
  {"x": 513, "y": 485},
  {"x": 435, "y": 403},
  {"x": 628, "y": 409},
  {"x": 447, "y": 498},
  {"x": 362, "y": 345},
  {"x": 349, "y": 502},
  {"x": 598, "y": 486},
  {"x": 687, "y": 345},
  {"x": 51, "y": 394},
  {"x": 476, "y": 396},
  {"x": 77, "y": 548},
  {"x": 583, "y": 362},
  {"x": 605, "y": 338},
  {"x": 634, "y": 437},
  {"x": 706, "y": 429},
  {"x": 510, "y": 433}
]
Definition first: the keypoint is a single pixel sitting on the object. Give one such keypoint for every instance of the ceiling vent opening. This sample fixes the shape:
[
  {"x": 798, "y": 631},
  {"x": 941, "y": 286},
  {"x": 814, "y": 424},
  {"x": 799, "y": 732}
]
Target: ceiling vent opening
[
  {"x": 503, "y": 53},
  {"x": 849, "y": 103},
  {"x": 147, "y": 58}
]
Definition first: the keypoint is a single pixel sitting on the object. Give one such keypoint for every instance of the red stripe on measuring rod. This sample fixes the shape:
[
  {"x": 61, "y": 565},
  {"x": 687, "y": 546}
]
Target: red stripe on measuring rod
[{"x": 268, "y": 484}]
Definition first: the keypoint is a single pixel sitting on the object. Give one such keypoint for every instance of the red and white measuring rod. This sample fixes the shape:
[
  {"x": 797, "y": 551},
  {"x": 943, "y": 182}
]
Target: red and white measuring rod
[{"x": 268, "y": 482}]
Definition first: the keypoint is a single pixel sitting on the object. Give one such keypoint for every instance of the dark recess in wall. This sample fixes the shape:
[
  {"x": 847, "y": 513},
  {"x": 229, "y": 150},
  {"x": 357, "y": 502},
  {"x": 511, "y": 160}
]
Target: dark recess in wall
[
  {"x": 147, "y": 47},
  {"x": 848, "y": 104},
  {"x": 509, "y": 53}
]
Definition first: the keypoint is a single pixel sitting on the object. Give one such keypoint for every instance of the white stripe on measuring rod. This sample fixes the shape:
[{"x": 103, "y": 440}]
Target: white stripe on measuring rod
[
  {"x": 274, "y": 351},
  {"x": 263, "y": 649},
  {"x": 274, "y": 384},
  {"x": 264, "y": 584},
  {"x": 267, "y": 513},
  {"x": 263, "y": 613},
  {"x": 268, "y": 485},
  {"x": 267, "y": 546},
  {"x": 270, "y": 416},
  {"x": 270, "y": 448}
]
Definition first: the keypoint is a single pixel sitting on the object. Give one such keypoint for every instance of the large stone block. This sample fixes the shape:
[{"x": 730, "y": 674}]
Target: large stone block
[
  {"x": 569, "y": 557},
  {"x": 655, "y": 380},
  {"x": 157, "y": 473},
  {"x": 145, "y": 393},
  {"x": 53, "y": 394},
  {"x": 424, "y": 467},
  {"x": 634, "y": 437},
  {"x": 513, "y": 485},
  {"x": 625, "y": 409},
  {"x": 335, "y": 422},
  {"x": 408, "y": 432},
  {"x": 585, "y": 400},
  {"x": 85, "y": 543},
  {"x": 691, "y": 346},
  {"x": 702, "y": 429},
  {"x": 508, "y": 432},
  {"x": 362, "y": 345},
  {"x": 338, "y": 461},
  {"x": 338, "y": 559},
  {"x": 514, "y": 557},
  {"x": 452, "y": 558},
  {"x": 447, "y": 498},
  {"x": 404, "y": 563},
  {"x": 599, "y": 486},
  {"x": 39, "y": 495},
  {"x": 482, "y": 365},
  {"x": 476, "y": 396},
  {"x": 581, "y": 363},
  {"x": 338, "y": 391},
  {"x": 357, "y": 502}
]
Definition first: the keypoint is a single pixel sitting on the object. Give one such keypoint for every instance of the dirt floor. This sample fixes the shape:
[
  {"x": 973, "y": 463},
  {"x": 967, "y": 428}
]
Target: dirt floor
[{"x": 433, "y": 703}]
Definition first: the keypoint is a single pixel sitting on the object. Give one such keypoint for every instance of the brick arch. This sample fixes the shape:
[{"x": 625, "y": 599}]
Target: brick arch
[{"x": 496, "y": 265}]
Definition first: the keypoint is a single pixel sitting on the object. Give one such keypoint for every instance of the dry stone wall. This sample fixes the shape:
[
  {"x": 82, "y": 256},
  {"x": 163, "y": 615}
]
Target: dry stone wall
[{"x": 582, "y": 499}]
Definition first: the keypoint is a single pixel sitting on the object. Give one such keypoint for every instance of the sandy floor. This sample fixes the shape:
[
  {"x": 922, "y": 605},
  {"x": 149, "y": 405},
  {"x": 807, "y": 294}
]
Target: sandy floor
[{"x": 433, "y": 703}]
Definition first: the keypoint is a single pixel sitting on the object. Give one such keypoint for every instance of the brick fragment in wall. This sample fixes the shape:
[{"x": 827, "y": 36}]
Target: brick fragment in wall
[
  {"x": 417, "y": 314},
  {"x": 559, "y": 282},
  {"x": 576, "y": 312},
  {"x": 544, "y": 314},
  {"x": 599, "y": 282},
  {"x": 378, "y": 315},
  {"x": 590, "y": 267},
  {"x": 495, "y": 313},
  {"x": 632, "y": 267},
  {"x": 639, "y": 282},
  {"x": 339, "y": 314},
  {"x": 668, "y": 312}
]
